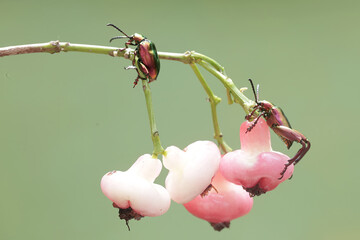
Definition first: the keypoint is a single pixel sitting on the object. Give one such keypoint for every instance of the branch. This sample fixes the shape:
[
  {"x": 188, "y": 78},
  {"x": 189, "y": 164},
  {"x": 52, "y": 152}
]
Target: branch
[
  {"x": 56, "y": 47},
  {"x": 188, "y": 57}
]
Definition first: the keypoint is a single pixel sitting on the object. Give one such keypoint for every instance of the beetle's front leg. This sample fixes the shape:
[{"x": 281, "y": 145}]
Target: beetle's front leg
[
  {"x": 254, "y": 123},
  {"x": 248, "y": 117},
  {"x": 129, "y": 43},
  {"x": 130, "y": 67}
]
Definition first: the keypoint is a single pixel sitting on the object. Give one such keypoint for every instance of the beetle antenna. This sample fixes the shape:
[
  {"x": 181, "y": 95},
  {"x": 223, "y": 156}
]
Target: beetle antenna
[
  {"x": 253, "y": 88},
  {"x": 117, "y": 37},
  {"x": 112, "y": 25}
]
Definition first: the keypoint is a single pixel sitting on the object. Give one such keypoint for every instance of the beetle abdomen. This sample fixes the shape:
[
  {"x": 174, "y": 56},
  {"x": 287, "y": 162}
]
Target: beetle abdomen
[
  {"x": 147, "y": 53},
  {"x": 280, "y": 117}
]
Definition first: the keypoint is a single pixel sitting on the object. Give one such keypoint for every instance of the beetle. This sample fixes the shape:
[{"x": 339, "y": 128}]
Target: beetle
[
  {"x": 146, "y": 60},
  {"x": 277, "y": 121}
]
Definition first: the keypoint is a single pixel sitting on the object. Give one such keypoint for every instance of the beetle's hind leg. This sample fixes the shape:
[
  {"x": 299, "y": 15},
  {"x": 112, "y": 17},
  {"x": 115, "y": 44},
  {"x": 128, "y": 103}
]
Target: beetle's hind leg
[
  {"x": 303, "y": 152},
  {"x": 136, "y": 81},
  {"x": 292, "y": 135},
  {"x": 285, "y": 168},
  {"x": 298, "y": 156},
  {"x": 143, "y": 69}
]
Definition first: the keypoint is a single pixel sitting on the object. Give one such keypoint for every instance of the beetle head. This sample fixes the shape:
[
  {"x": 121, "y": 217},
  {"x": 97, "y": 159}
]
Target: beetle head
[
  {"x": 265, "y": 105},
  {"x": 262, "y": 105}
]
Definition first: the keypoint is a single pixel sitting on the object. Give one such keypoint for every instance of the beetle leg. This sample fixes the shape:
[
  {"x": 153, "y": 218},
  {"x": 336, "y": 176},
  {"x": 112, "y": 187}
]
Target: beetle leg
[
  {"x": 285, "y": 168},
  {"x": 129, "y": 43},
  {"x": 292, "y": 135},
  {"x": 303, "y": 152},
  {"x": 298, "y": 156},
  {"x": 254, "y": 123},
  {"x": 136, "y": 81},
  {"x": 130, "y": 67},
  {"x": 144, "y": 70},
  {"x": 247, "y": 117},
  {"x": 137, "y": 78}
]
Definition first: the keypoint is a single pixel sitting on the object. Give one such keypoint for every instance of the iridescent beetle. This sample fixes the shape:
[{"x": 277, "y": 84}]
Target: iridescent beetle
[
  {"x": 146, "y": 60},
  {"x": 277, "y": 121}
]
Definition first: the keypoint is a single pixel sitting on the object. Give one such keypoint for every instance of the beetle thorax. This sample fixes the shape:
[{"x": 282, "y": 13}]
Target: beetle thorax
[
  {"x": 265, "y": 106},
  {"x": 137, "y": 38}
]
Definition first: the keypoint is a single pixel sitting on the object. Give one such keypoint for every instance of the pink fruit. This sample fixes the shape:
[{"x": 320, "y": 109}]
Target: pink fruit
[
  {"x": 256, "y": 166},
  {"x": 191, "y": 169},
  {"x": 135, "y": 188},
  {"x": 223, "y": 203}
]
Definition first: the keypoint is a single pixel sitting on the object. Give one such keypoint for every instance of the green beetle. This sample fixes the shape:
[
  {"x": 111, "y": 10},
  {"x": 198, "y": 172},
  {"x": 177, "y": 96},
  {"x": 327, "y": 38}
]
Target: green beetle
[{"x": 146, "y": 60}]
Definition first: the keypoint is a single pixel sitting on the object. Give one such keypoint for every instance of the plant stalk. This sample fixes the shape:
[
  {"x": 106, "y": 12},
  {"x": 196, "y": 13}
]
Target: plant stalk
[
  {"x": 189, "y": 57},
  {"x": 158, "y": 149},
  {"x": 214, "y": 101}
]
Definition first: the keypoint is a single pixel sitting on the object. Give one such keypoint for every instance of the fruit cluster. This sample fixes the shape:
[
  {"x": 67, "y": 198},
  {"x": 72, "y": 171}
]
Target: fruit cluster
[{"x": 212, "y": 187}]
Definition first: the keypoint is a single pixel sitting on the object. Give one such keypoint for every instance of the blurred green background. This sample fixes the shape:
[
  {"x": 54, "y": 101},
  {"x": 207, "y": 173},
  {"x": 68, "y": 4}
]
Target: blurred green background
[{"x": 67, "y": 119}]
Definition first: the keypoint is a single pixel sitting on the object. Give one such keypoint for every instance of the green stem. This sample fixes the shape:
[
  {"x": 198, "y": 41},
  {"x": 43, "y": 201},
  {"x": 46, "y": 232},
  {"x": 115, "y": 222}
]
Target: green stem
[
  {"x": 158, "y": 149},
  {"x": 212, "y": 62},
  {"x": 214, "y": 101},
  {"x": 239, "y": 97},
  {"x": 56, "y": 47},
  {"x": 189, "y": 57}
]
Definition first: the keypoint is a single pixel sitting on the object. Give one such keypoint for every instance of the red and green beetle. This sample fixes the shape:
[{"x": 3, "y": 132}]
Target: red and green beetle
[
  {"x": 146, "y": 60},
  {"x": 277, "y": 121}
]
